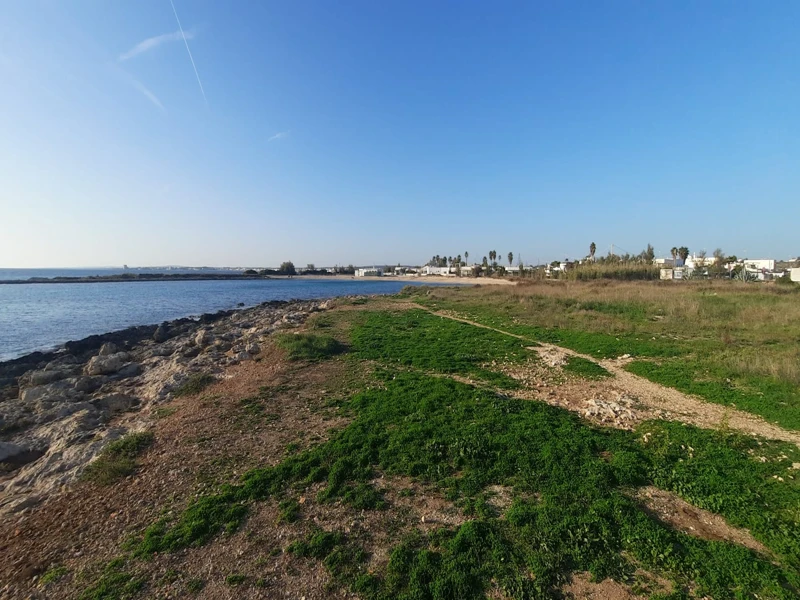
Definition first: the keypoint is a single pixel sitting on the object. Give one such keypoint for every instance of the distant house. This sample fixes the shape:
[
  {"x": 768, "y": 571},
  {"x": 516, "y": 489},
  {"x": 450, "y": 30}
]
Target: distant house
[
  {"x": 664, "y": 263},
  {"x": 794, "y": 274},
  {"x": 440, "y": 271},
  {"x": 369, "y": 272},
  {"x": 764, "y": 264}
]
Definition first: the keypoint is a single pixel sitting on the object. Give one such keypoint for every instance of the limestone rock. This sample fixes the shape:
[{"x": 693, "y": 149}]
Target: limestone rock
[
  {"x": 114, "y": 403},
  {"x": 106, "y": 364},
  {"x": 59, "y": 391},
  {"x": 44, "y": 377},
  {"x": 203, "y": 338},
  {"x": 108, "y": 349},
  {"x": 88, "y": 384},
  {"x": 129, "y": 370}
]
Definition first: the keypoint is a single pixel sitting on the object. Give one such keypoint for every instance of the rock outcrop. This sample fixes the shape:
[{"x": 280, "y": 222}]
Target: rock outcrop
[{"x": 58, "y": 410}]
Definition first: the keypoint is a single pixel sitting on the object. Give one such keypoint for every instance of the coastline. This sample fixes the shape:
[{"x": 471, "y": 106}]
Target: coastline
[
  {"x": 65, "y": 406},
  {"x": 151, "y": 277}
]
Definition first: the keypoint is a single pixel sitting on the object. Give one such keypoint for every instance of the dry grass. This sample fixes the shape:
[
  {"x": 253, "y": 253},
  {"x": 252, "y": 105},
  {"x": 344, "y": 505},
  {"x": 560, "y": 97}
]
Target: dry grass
[{"x": 755, "y": 327}]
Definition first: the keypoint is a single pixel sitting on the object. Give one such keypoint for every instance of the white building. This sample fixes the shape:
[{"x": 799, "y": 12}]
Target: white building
[
  {"x": 697, "y": 262},
  {"x": 764, "y": 264},
  {"x": 369, "y": 272},
  {"x": 794, "y": 275},
  {"x": 440, "y": 271}
]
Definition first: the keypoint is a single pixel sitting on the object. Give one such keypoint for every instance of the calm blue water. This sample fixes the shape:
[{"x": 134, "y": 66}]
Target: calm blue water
[
  {"x": 45, "y": 315},
  {"x": 22, "y": 274}
]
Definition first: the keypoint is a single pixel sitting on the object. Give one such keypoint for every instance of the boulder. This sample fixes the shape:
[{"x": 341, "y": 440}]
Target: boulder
[
  {"x": 252, "y": 348},
  {"x": 106, "y": 364},
  {"x": 161, "y": 335},
  {"x": 9, "y": 451},
  {"x": 45, "y": 377},
  {"x": 88, "y": 384},
  {"x": 114, "y": 403},
  {"x": 59, "y": 391},
  {"x": 108, "y": 349},
  {"x": 223, "y": 346},
  {"x": 129, "y": 370},
  {"x": 13, "y": 456},
  {"x": 68, "y": 361},
  {"x": 203, "y": 338}
]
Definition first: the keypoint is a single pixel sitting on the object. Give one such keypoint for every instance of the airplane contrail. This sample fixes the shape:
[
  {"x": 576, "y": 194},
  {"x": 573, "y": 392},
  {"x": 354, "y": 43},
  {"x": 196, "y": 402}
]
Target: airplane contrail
[{"x": 191, "y": 58}]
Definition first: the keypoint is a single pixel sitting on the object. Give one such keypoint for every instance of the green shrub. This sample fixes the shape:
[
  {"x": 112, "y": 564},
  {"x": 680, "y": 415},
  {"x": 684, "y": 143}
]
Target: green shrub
[
  {"x": 118, "y": 459},
  {"x": 289, "y": 510},
  {"x": 587, "y": 369},
  {"x": 194, "y": 385},
  {"x": 53, "y": 574},
  {"x": 235, "y": 579},
  {"x": 114, "y": 583},
  {"x": 309, "y": 346}
]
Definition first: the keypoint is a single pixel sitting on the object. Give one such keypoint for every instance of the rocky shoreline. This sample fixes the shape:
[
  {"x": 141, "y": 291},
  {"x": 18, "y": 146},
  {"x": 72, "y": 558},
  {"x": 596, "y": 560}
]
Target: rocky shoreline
[{"x": 59, "y": 409}]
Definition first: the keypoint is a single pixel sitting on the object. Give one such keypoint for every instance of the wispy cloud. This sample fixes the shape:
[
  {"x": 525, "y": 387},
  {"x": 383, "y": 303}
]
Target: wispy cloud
[
  {"x": 155, "y": 42},
  {"x": 147, "y": 94},
  {"x": 191, "y": 58},
  {"x": 278, "y": 136}
]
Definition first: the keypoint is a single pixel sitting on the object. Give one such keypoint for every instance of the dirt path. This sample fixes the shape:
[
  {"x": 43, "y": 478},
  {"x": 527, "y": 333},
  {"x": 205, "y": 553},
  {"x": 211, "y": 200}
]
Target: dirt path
[{"x": 642, "y": 399}]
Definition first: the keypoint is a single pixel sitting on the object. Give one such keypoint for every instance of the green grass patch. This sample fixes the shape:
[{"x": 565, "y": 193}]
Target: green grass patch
[
  {"x": 587, "y": 369},
  {"x": 571, "y": 511},
  {"x": 235, "y": 579},
  {"x": 418, "y": 339},
  {"x": 194, "y": 385},
  {"x": 118, "y": 459},
  {"x": 162, "y": 412},
  {"x": 777, "y": 401},
  {"x": 53, "y": 574},
  {"x": 195, "y": 585},
  {"x": 288, "y": 510},
  {"x": 309, "y": 346},
  {"x": 114, "y": 583}
]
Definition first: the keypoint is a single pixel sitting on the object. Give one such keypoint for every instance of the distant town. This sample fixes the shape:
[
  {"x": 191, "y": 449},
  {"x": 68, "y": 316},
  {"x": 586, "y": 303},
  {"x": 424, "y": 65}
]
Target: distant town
[{"x": 681, "y": 264}]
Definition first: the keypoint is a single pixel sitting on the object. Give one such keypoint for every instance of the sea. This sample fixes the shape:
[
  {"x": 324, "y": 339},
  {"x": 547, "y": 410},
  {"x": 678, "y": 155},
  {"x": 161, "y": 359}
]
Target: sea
[{"x": 43, "y": 316}]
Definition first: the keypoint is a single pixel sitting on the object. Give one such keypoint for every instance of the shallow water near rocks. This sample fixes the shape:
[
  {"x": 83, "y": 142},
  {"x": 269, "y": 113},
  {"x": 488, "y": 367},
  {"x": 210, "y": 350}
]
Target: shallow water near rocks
[{"x": 42, "y": 316}]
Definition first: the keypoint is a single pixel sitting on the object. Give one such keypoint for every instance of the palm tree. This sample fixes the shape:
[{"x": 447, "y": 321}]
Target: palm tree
[
  {"x": 466, "y": 256},
  {"x": 510, "y": 258},
  {"x": 683, "y": 252},
  {"x": 674, "y": 253},
  {"x": 485, "y": 262},
  {"x": 592, "y": 249}
]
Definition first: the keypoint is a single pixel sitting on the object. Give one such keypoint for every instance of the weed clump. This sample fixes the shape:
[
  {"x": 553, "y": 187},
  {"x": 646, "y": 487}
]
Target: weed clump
[
  {"x": 114, "y": 583},
  {"x": 53, "y": 574},
  {"x": 194, "y": 385},
  {"x": 118, "y": 459},
  {"x": 309, "y": 346},
  {"x": 289, "y": 510},
  {"x": 235, "y": 579},
  {"x": 587, "y": 369}
]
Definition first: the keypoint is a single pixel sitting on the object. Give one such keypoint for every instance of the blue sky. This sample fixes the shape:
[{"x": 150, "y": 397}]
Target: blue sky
[{"x": 385, "y": 132}]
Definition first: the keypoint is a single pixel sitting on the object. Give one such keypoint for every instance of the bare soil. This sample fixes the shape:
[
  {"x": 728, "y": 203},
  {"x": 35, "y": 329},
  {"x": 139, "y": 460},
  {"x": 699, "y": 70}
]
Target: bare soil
[{"x": 694, "y": 521}]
